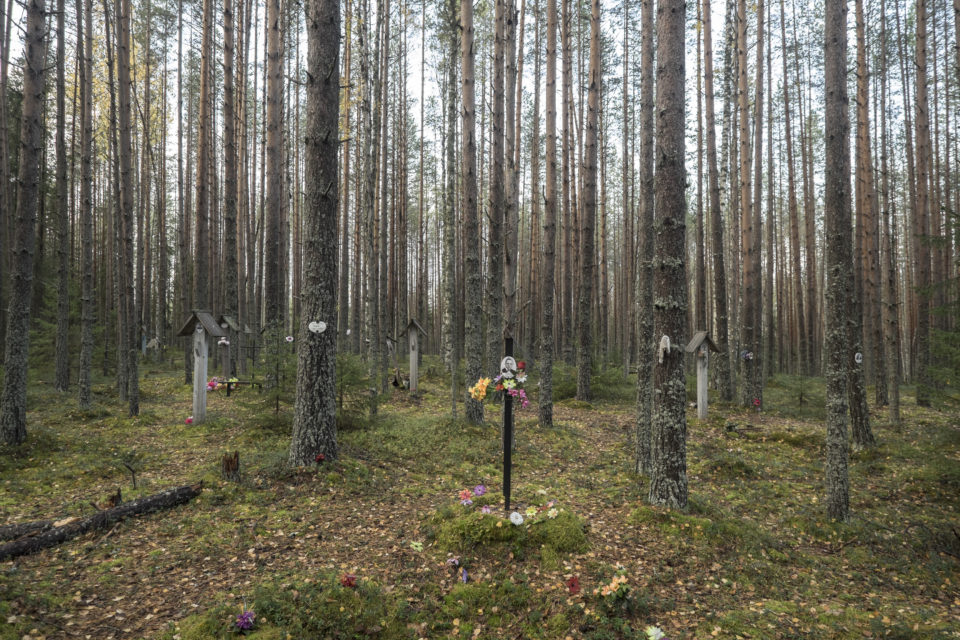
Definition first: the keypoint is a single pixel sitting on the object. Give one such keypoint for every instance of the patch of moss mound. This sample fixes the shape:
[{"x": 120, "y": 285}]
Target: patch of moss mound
[
  {"x": 708, "y": 527},
  {"x": 315, "y": 609},
  {"x": 460, "y": 530}
]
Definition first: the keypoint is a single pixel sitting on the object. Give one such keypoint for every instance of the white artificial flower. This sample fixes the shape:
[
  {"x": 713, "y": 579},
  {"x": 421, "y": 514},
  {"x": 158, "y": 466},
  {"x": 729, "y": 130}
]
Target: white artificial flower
[
  {"x": 552, "y": 513},
  {"x": 654, "y": 633},
  {"x": 516, "y": 518}
]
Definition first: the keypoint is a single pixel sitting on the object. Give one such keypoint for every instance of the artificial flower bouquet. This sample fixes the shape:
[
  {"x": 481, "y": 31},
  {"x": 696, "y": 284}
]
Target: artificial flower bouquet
[{"x": 509, "y": 381}]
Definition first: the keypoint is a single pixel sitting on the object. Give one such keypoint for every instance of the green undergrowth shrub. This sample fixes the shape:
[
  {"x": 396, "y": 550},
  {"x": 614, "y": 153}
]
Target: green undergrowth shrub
[
  {"x": 461, "y": 529},
  {"x": 610, "y": 384},
  {"x": 800, "y": 397},
  {"x": 353, "y": 392},
  {"x": 564, "y": 381},
  {"x": 322, "y": 608}
]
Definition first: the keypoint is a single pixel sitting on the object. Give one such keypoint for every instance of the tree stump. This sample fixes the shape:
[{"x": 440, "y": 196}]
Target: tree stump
[{"x": 230, "y": 466}]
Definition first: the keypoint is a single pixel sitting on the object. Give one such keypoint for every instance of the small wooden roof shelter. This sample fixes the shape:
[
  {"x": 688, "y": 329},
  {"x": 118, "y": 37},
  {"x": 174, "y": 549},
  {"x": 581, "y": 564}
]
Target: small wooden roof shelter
[
  {"x": 205, "y": 319},
  {"x": 699, "y": 338}
]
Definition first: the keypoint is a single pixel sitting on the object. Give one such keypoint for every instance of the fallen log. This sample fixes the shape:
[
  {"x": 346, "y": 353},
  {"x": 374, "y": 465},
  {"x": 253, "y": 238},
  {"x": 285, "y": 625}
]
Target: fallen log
[
  {"x": 58, "y": 534},
  {"x": 20, "y": 529}
]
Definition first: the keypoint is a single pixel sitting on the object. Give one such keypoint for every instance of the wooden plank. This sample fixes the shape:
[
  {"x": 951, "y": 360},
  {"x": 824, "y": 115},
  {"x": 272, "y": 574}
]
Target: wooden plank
[
  {"x": 199, "y": 374},
  {"x": 703, "y": 360}
]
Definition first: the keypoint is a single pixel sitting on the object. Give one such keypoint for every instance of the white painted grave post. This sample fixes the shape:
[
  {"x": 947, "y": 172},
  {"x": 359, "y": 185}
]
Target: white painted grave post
[
  {"x": 199, "y": 374},
  {"x": 414, "y": 338},
  {"x": 703, "y": 368},
  {"x": 702, "y": 345}
]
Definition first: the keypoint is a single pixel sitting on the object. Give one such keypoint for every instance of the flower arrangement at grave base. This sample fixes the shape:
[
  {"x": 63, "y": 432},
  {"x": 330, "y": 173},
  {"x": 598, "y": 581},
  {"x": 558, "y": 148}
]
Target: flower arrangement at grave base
[
  {"x": 478, "y": 520},
  {"x": 510, "y": 383},
  {"x": 217, "y": 383}
]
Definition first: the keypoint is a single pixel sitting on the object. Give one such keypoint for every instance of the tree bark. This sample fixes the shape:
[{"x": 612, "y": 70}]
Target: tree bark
[
  {"x": 451, "y": 20},
  {"x": 473, "y": 318},
  {"x": 921, "y": 224},
  {"x": 62, "y": 347},
  {"x": 202, "y": 264},
  {"x": 668, "y": 474},
  {"x": 125, "y": 154},
  {"x": 273, "y": 285},
  {"x": 722, "y": 361},
  {"x": 548, "y": 267},
  {"x": 231, "y": 293},
  {"x": 495, "y": 251},
  {"x": 802, "y": 349},
  {"x": 86, "y": 207},
  {"x": 13, "y": 406},
  {"x": 589, "y": 213},
  {"x": 314, "y": 422},
  {"x": 891, "y": 294},
  {"x": 838, "y": 258},
  {"x": 865, "y": 199},
  {"x": 645, "y": 340}
]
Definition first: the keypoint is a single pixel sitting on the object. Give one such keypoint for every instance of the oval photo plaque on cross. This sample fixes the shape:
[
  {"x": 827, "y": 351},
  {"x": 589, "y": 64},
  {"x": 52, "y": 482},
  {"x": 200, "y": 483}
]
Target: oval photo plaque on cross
[{"x": 508, "y": 367}]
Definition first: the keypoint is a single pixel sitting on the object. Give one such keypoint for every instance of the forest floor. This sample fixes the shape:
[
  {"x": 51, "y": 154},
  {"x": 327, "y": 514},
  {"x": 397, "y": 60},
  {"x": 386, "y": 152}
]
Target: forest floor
[{"x": 753, "y": 557}]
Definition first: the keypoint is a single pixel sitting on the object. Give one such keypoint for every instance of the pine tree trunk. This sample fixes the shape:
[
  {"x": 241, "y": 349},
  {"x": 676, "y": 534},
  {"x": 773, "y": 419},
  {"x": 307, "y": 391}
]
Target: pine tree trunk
[
  {"x": 6, "y": 185},
  {"x": 769, "y": 331},
  {"x": 722, "y": 361},
  {"x": 802, "y": 349},
  {"x": 13, "y": 404},
  {"x": 810, "y": 230},
  {"x": 314, "y": 422},
  {"x": 231, "y": 292},
  {"x": 451, "y": 20},
  {"x": 921, "y": 224},
  {"x": 125, "y": 154},
  {"x": 535, "y": 273},
  {"x": 838, "y": 259},
  {"x": 511, "y": 191},
  {"x": 495, "y": 251},
  {"x": 668, "y": 473},
  {"x": 343, "y": 296},
  {"x": 891, "y": 295},
  {"x": 645, "y": 340},
  {"x": 589, "y": 213},
  {"x": 700, "y": 252},
  {"x": 473, "y": 318},
  {"x": 202, "y": 263},
  {"x": 383, "y": 302},
  {"x": 859, "y": 414},
  {"x": 548, "y": 268},
  {"x": 62, "y": 357},
  {"x": 627, "y": 309},
  {"x": 86, "y": 204},
  {"x": 272, "y": 207},
  {"x": 568, "y": 177}
]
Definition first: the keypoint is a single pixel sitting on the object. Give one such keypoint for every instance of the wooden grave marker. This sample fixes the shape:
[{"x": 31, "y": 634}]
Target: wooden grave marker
[
  {"x": 702, "y": 345},
  {"x": 413, "y": 332},
  {"x": 202, "y": 327}
]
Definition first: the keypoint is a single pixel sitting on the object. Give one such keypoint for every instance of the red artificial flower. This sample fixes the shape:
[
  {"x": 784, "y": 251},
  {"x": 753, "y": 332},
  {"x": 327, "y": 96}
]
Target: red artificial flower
[
  {"x": 756, "y": 402},
  {"x": 320, "y": 458},
  {"x": 521, "y": 365},
  {"x": 499, "y": 387},
  {"x": 573, "y": 584},
  {"x": 348, "y": 580}
]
